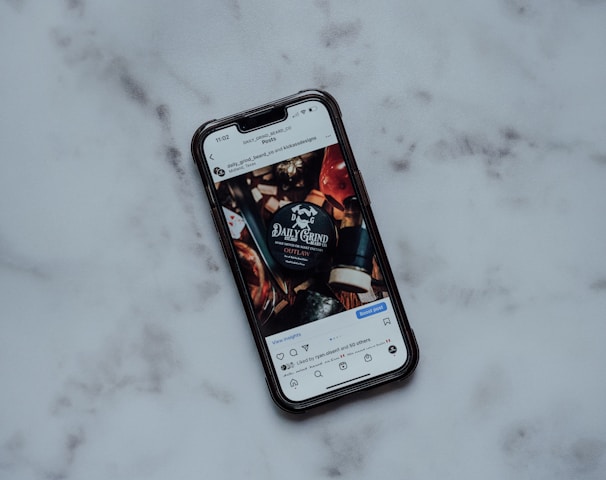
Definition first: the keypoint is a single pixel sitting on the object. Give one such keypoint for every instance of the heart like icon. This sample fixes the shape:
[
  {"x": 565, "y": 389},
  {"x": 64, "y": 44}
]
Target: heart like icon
[{"x": 280, "y": 356}]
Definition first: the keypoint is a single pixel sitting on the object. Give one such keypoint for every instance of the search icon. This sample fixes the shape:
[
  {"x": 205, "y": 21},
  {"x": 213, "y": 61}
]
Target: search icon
[{"x": 318, "y": 373}]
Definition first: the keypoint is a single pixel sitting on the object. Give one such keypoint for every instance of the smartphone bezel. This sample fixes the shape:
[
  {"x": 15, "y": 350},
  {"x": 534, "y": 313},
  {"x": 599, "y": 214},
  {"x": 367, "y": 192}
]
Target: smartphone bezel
[{"x": 279, "y": 397}]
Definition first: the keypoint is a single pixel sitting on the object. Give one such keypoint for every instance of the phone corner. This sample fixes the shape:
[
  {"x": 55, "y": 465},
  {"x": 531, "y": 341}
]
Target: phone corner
[
  {"x": 285, "y": 405},
  {"x": 198, "y": 136},
  {"x": 412, "y": 360},
  {"x": 323, "y": 96}
]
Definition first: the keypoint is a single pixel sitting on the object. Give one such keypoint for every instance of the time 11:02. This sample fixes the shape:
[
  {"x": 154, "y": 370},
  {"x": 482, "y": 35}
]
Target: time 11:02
[{"x": 222, "y": 138}]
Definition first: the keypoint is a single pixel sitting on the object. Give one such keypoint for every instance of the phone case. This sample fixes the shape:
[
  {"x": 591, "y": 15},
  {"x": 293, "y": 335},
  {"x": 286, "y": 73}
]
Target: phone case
[{"x": 231, "y": 254}]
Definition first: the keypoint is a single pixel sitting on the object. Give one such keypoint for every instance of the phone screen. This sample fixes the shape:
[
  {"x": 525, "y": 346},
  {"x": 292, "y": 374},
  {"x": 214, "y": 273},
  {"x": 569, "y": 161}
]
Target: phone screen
[{"x": 302, "y": 246}]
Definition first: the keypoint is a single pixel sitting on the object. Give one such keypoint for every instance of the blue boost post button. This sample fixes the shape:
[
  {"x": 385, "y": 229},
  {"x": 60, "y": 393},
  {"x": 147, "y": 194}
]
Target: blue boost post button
[{"x": 372, "y": 310}]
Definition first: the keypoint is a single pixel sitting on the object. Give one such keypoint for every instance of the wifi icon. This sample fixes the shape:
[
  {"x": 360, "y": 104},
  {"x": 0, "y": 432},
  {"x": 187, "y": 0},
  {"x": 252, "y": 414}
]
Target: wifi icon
[{"x": 303, "y": 111}]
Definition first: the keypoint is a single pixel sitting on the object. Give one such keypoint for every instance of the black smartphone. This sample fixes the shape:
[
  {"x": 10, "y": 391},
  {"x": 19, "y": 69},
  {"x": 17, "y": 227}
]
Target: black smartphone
[{"x": 295, "y": 223}]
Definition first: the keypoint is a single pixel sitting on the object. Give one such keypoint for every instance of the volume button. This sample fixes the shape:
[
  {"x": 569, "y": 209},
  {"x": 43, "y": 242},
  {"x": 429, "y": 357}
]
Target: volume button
[
  {"x": 213, "y": 213},
  {"x": 365, "y": 199}
]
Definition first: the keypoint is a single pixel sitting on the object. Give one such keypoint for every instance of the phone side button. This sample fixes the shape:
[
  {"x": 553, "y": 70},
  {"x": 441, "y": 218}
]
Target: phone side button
[
  {"x": 213, "y": 214},
  {"x": 361, "y": 187}
]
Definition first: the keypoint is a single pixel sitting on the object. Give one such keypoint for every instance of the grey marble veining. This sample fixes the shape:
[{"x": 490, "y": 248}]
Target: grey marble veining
[{"x": 479, "y": 127}]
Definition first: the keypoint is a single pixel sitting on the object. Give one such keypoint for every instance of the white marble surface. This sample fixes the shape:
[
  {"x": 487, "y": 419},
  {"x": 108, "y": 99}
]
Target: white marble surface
[{"x": 480, "y": 128}]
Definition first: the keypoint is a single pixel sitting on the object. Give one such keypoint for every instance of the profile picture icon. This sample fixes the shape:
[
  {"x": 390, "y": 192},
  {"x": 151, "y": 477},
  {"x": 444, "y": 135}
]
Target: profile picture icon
[{"x": 219, "y": 171}]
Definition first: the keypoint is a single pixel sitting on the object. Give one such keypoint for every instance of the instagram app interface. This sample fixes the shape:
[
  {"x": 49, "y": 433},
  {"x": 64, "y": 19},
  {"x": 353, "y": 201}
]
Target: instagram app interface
[{"x": 304, "y": 251}]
